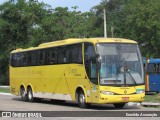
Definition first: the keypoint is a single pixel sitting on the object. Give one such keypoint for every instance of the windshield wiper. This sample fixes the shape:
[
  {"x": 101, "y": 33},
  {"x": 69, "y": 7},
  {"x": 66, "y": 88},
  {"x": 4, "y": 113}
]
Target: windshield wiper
[{"x": 131, "y": 77}]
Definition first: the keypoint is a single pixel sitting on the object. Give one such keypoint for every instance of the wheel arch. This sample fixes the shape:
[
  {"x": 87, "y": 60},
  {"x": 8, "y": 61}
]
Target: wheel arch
[
  {"x": 22, "y": 86},
  {"x": 78, "y": 89},
  {"x": 31, "y": 87}
]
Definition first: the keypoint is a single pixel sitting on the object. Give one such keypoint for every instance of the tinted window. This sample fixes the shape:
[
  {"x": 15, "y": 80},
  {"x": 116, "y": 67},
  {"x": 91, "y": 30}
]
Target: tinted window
[
  {"x": 90, "y": 62},
  {"x": 24, "y": 59},
  {"x": 32, "y": 58},
  {"x": 16, "y": 59},
  {"x": 154, "y": 68},
  {"x": 51, "y": 56},
  {"x": 62, "y": 55},
  {"x": 74, "y": 53},
  {"x": 56, "y": 55},
  {"x": 151, "y": 68},
  {"x": 158, "y": 68},
  {"x": 41, "y": 59}
]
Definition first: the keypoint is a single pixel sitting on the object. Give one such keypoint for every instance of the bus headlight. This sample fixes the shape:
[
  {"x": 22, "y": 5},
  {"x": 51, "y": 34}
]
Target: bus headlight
[
  {"x": 107, "y": 92},
  {"x": 140, "y": 91}
]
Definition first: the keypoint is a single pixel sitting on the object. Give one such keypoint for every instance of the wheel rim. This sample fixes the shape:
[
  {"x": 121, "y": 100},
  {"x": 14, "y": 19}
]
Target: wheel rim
[
  {"x": 81, "y": 98},
  {"x": 22, "y": 93},
  {"x": 30, "y": 94}
]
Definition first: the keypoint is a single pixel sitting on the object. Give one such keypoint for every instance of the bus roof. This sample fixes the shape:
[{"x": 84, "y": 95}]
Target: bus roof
[
  {"x": 154, "y": 60},
  {"x": 76, "y": 40}
]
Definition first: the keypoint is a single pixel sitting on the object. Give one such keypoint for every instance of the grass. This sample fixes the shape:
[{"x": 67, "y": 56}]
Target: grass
[
  {"x": 152, "y": 98},
  {"x": 4, "y": 90}
]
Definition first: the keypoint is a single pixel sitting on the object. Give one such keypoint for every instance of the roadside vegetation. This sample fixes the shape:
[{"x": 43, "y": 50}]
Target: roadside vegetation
[
  {"x": 4, "y": 90},
  {"x": 153, "y": 98}
]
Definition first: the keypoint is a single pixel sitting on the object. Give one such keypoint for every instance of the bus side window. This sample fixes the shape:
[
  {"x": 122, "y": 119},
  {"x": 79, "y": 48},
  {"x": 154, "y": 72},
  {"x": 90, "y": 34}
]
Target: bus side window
[
  {"x": 62, "y": 55},
  {"x": 53, "y": 56},
  {"x": 34, "y": 58},
  {"x": 25, "y": 56},
  {"x": 41, "y": 57},
  {"x": 158, "y": 68},
  {"x": 13, "y": 60},
  {"x": 18, "y": 59},
  {"x": 74, "y": 53},
  {"x": 151, "y": 68},
  {"x": 47, "y": 56},
  {"x": 29, "y": 59},
  {"x": 90, "y": 62}
]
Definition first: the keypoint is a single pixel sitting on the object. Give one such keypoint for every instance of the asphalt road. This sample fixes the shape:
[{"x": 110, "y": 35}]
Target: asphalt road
[{"x": 18, "y": 108}]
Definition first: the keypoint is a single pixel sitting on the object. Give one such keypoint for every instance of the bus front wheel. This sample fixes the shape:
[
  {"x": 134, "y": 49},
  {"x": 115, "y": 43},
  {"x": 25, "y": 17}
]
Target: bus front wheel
[
  {"x": 82, "y": 100},
  {"x": 23, "y": 94},
  {"x": 119, "y": 105}
]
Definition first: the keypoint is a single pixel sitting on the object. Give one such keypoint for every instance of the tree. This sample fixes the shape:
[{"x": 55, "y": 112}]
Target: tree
[
  {"x": 141, "y": 22},
  {"x": 62, "y": 24},
  {"x": 113, "y": 16},
  {"x": 133, "y": 19},
  {"x": 16, "y": 22}
]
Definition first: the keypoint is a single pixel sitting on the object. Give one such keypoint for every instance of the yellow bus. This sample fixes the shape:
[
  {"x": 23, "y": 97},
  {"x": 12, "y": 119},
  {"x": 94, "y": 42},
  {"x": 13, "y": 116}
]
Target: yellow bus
[{"x": 87, "y": 70}]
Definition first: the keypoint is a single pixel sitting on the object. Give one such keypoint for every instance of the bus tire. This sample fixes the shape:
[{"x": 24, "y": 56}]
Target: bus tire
[
  {"x": 23, "y": 94},
  {"x": 119, "y": 105},
  {"x": 30, "y": 95},
  {"x": 82, "y": 100}
]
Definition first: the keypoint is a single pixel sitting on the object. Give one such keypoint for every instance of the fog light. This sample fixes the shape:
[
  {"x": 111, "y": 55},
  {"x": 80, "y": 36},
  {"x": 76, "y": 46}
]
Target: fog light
[
  {"x": 140, "y": 92},
  {"x": 107, "y": 92}
]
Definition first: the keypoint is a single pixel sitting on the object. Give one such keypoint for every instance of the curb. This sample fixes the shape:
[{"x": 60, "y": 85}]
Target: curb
[
  {"x": 6, "y": 94},
  {"x": 4, "y": 86},
  {"x": 149, "y": 104},
  {"x": 135, "y": 104},
  {"x": 144, "y": 104}
]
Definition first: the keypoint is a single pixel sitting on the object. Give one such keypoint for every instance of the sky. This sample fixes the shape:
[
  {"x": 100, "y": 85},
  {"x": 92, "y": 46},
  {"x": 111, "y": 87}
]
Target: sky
[{"x": 83, "y": 5}]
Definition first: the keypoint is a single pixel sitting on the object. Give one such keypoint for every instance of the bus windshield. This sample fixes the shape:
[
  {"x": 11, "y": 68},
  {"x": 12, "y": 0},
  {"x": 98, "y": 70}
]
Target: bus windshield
[{"x": 120, "y": 64}]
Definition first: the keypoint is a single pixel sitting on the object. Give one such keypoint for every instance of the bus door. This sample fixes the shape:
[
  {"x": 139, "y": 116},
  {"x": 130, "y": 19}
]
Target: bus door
[
  {"x": 91, "y": 71},
  {"x": 153, "y": 77}
]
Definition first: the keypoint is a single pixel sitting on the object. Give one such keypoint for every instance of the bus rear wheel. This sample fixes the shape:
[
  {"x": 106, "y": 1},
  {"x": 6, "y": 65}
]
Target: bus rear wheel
[
  {"x": 23, "y": 94},
  {"x": 119, "y": 105},
  {"x": 30, "y": 95},
  {"x": 82, "y": 100}
]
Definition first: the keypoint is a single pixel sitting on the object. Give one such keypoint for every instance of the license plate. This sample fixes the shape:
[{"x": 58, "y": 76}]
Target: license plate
[{"x": 125, "y": 98}]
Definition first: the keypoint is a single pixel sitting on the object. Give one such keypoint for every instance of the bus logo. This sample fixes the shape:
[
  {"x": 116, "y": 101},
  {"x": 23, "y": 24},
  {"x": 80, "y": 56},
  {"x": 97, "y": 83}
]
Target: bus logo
[{"x": 125, "y": 91}]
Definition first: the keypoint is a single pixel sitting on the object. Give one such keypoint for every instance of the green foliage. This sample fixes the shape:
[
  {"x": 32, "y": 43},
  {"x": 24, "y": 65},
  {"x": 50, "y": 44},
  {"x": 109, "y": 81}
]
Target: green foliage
[
  {"x": 4, "y": 90},
  {"x": 16, "y": 22},
  {"x": 133, "y": 19},
  {"x": 142, "y": 23}
]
